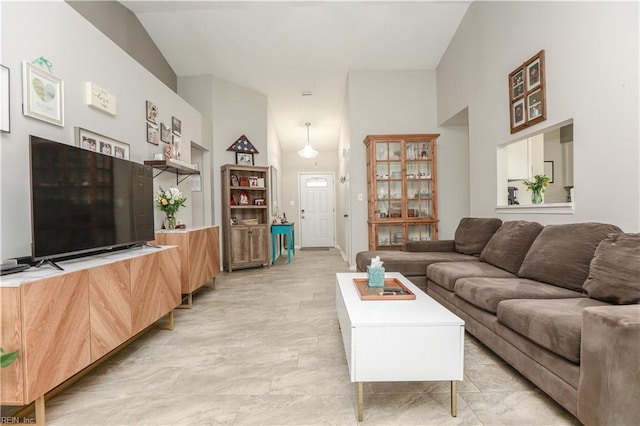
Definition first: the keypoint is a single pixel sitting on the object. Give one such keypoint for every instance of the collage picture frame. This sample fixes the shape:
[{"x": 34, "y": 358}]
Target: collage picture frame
[
  {"x": 96, "y": 142},
  {"x": 527, "y": 100}
]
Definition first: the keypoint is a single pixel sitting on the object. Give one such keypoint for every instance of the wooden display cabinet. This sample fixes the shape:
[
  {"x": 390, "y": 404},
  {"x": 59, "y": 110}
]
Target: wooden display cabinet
[
  {"x": 402, "y": 190},
  {"x": 245, "y": 216}
]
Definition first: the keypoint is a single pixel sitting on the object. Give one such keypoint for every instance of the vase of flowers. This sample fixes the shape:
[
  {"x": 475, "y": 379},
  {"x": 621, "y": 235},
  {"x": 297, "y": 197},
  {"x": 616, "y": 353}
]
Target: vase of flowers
[
  {"x": 169, "y": 202},
  {"x": 537, "y": 186}
]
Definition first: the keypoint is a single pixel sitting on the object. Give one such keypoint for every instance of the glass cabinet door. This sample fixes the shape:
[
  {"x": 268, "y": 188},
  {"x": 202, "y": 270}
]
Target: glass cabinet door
[
  {"x": 420, "y": 232},
  {"x": 419, "y": 179},
  {"x": 390, "y": 237},
  {"x": 388, "y": 179}
]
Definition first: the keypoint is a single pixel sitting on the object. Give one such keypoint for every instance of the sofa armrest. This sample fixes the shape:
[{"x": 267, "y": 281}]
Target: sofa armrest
[
  {"x": 610, "y": 366},
  {"x": 434, "y": 245}
]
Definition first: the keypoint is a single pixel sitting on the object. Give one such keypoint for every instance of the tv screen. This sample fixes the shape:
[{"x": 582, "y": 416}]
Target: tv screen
[{"x": 83, "y": 201}]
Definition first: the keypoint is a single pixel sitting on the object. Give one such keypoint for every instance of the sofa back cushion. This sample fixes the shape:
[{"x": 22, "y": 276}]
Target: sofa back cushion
[
  {"x": 509, "y": 245},
  {"x": 473, "y": 233},
  {"x": 561, "y": 254},
  {"x": 614, "y": 274}
]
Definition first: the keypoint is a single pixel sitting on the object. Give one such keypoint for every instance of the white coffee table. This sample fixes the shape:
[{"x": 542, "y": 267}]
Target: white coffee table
[{"x": 398, "y": 340}]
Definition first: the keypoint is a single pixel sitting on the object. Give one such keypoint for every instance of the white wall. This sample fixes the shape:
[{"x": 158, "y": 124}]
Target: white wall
[
  {"x": 274, "y": 158},
  {"x": 343, "y": 189},
  {"x": 79, "y": 53},
  {"x": 403, "y": 102},
  {"x": 233, "y": 111},
  {"x": 591, "y": 51}
]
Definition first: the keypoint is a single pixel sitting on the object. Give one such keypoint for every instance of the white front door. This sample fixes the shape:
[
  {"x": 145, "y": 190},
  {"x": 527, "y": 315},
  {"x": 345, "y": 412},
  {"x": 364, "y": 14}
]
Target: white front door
[{"x": 317, "y": 213}]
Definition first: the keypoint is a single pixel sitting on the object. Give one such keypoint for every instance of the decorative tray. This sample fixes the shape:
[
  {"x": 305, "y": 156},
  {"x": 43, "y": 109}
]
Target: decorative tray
[{"x": 391, "y": 285}]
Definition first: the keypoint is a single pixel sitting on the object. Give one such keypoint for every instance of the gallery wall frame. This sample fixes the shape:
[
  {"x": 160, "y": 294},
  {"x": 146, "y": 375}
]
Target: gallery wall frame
[
  {"x": 42, "y": 95},
  {"x": 5, "y": 100},
  {"x": 96, "y": 142},
  {"x": 527, "y": 98}
]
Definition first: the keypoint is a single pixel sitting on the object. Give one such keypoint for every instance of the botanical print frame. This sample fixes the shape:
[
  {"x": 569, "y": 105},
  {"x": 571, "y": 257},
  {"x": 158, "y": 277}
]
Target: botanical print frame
[
  {"x": 165, "y": 133},
  {"x": 244, "y": 159},
  {"x": 42, "y": 95},
  {"x": 5, "y": 99},
  {"x": 549, "y": 171},
  {"x": 99, "y": 143},
  {"x": 527, "y": 99}
]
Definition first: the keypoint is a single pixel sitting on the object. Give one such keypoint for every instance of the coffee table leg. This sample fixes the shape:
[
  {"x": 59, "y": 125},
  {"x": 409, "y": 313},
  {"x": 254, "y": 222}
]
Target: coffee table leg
[
  {"x": 360, "y": 401},
  {"x": 454, "y": 399}
]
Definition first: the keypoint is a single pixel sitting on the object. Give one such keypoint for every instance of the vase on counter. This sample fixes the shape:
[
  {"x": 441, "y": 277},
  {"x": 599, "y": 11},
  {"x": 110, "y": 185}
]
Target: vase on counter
[
  {"x": 536, "y": 197},
  {"x": 170, "y": 221}
]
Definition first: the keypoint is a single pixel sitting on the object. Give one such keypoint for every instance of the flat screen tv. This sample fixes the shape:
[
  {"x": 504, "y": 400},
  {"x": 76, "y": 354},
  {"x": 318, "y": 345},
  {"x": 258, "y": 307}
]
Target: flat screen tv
[{"x": 83, "y": 201}]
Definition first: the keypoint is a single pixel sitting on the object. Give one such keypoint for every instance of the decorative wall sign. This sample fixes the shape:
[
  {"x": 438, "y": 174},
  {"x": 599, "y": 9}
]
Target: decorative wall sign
[
  {"x": 5, "y": 98},
  {"x": 42, "y": 95},
  {"x": 100, "y": 99},
  {"x": 527, "y": 98},
  {"x": 99, "y": 143},
  {"x": 242, "y": 144}
]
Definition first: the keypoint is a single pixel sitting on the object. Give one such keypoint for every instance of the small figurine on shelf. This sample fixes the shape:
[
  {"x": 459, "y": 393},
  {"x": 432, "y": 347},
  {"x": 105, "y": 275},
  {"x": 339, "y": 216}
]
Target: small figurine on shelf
[
  {"x": 423, "y": 152},
  {"x": 284, "y": 218}
]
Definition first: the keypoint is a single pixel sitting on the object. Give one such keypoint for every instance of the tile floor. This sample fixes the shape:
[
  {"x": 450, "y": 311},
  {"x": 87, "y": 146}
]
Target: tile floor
[{"x": 264, "y": 348}]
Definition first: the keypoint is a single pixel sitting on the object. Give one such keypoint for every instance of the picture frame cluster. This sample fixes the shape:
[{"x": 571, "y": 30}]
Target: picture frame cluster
[
  {"x": 527, "y": 99},
  {"x": 160, "y": 132}
]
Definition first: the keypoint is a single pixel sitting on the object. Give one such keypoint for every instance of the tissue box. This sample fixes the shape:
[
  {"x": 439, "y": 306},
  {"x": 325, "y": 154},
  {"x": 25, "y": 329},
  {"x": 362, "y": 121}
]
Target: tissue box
[{"x": 376, "y": 276}]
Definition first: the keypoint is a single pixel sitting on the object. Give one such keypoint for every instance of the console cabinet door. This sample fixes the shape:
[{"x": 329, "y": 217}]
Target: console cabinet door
[
  {"x": 259, "y": 243},
  {"x": 240, "y": 245},
  {"x": 56, "y": 331},
  {"x": 110, "y": 306},
  {"x": 11, "y": 377},
  {"x": 155, "y": 287}
]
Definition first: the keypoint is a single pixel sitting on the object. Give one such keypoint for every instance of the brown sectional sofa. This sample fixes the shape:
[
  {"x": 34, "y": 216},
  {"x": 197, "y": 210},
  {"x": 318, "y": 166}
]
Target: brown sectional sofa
[{"x": 559, "y": 303}]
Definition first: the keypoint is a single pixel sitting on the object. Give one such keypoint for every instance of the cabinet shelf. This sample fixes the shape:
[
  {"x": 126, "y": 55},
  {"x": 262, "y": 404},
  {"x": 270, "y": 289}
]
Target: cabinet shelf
[{"x": 173, "y": 166}]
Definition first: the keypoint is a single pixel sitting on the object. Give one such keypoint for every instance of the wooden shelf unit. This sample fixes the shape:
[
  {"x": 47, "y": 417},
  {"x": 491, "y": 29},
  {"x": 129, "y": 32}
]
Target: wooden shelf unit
[
  {"x": 173, "y": 166},
  {"x": 402, "y": 190},
  {"x": 245, "y": 227}
]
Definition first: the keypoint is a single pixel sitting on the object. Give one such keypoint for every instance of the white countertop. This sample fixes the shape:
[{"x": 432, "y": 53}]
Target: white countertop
[
  {"x": 184, "y": 231},
  {"x": 73, "y": 265}
]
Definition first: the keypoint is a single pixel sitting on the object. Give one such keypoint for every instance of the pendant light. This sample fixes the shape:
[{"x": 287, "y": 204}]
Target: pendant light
[{"x": 308, "y": 151}]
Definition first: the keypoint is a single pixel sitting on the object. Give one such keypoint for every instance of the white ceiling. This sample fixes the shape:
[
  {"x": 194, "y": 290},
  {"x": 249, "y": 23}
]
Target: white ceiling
[{"x": 281, "y": 49}]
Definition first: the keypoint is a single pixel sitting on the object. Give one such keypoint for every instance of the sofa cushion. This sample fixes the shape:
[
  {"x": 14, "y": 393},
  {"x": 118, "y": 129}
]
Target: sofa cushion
[
  {"x": 486, "y": 293},
  {"x": 446, "y": 274},
  {"x": 509, "y": 245},
  {"x": 473, "y": 233},
  {"x": 409, "y": 263},
  {"x": 561, "y": 254},
  {"x": 555, "y": 324},
  {"x": 614, "y": 274}
]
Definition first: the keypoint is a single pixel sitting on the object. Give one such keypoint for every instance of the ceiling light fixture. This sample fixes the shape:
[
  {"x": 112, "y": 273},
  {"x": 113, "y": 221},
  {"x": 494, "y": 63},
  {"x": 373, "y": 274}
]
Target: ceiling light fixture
[{"x": 308, "y": 151}]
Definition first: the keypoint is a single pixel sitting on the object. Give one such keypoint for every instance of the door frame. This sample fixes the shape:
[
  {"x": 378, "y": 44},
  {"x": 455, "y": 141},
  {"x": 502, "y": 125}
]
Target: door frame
[{"x": 298, "y": 215}]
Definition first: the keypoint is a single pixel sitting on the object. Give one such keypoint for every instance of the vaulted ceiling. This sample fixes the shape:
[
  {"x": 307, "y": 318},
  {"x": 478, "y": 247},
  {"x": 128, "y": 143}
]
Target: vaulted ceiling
[{"x": 282, "y": 49}]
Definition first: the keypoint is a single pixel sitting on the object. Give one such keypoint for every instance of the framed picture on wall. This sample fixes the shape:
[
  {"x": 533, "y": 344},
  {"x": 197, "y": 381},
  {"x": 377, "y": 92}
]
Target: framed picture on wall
[
  {"x": 176, "y": 126},
  {"x": 527, "y": 100},
  {"x": 244, "y": 159},
  {"x": 152, "y": 112},
  {"x": 99, "y": 143},
  {"x": 152, "y": 133},
  {"x": 42, "y": 95}
]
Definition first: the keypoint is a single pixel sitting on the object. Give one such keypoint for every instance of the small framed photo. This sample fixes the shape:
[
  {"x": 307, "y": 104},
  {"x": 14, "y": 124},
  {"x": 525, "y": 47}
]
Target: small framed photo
[
  {"x": 259, "y": 201},
  {"x": 177, "y": 146},
  {"x": 165, "y": 133},
  {"x": 244, "y": 199},
  {"x": 548, "y": 171},
  {"x": 253, "y": 181},
  {"x": 517, "y": 113},
  {"x": 517, "y": 84},
  {"x": 152, "y": 112},
  {"x": 234, "y": 180},
  {"x": 244, "y": 159},
  {"x": 533, "y": 73},
  {"x": 152, "y": 133},
  {"x": 535, "y": 105},
  {"x": 43, "y": 95},
  {"x": 176, "y": 126},
  {"x": 91, "y": 141}
]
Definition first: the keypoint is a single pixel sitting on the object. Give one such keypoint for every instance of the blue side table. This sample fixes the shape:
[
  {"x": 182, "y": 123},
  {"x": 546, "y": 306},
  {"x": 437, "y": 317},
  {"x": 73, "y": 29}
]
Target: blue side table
[{"x": 277, "y": 231}]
